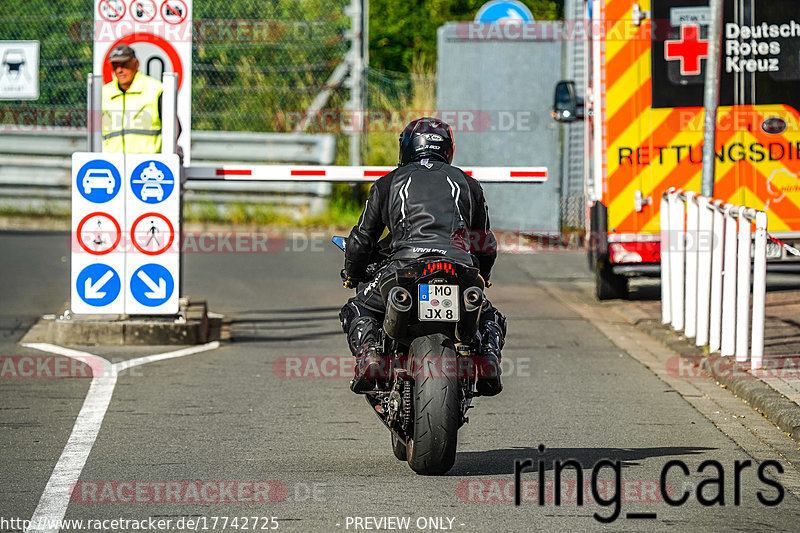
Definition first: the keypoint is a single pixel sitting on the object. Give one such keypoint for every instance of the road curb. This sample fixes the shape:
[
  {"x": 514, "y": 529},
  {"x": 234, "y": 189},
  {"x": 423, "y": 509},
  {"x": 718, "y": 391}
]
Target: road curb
[
  {"x": 776, "y": 407},
  {"x": 192, "y": 325}
]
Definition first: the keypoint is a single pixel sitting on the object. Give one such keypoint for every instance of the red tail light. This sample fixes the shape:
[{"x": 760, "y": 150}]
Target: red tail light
[
  {"x": 634, "y": 252},
  {"x": 439, "y": 266}
]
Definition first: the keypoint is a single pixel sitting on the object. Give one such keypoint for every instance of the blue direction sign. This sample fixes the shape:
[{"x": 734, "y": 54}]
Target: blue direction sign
[
  {"x": 504, "y": 11},
  {"x": 98, "y": 285},
  {"x": 98, "y": 181},
  {"x": 152, "y": 285},
  {"x": 152, "y": 182}
]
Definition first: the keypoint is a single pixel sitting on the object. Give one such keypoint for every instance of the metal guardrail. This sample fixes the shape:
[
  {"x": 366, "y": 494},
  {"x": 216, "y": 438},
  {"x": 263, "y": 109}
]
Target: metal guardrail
[
  {"x": 36, "y": 174},
  {"x": 705, "y": 273}
]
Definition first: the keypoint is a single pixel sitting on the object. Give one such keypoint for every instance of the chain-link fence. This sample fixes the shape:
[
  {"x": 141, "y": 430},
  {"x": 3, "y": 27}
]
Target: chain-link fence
[{"x": 256, "y": 65}]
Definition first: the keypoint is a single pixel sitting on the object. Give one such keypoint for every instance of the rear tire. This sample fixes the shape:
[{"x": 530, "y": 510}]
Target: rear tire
[
  {"x": 432, "y": 447},
  {"x": 609, "y": 286}
]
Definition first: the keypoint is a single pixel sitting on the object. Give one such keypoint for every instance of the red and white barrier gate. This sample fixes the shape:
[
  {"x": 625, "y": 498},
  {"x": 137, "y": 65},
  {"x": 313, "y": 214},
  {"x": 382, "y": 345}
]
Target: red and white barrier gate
[{"x": 349, "y": 173}]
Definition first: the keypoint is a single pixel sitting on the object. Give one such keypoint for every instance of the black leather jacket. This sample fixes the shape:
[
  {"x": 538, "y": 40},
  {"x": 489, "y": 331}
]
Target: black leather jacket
[{"x": 430, "y": 208}]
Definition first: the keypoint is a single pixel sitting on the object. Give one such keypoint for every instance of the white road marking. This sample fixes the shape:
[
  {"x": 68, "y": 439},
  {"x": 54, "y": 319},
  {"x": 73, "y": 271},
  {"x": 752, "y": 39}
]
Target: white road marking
[{"x": 54, "y": 501}]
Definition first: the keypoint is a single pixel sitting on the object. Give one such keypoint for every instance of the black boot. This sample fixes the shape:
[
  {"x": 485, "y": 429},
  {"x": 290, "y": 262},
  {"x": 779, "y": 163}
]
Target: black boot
[
  {"x": 370, "y": 365},
  {"x": 492, "y": 340}
]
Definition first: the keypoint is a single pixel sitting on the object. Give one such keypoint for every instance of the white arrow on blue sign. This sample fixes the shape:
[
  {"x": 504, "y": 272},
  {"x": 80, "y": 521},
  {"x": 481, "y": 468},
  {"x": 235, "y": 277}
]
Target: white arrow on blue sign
[
  {"x": 98, "y": 285},
  {"x": 98, "y": 181},
  {"x": 152, "y": 182},
  {"x": 504, "y": 11},
  {"x": 152, "y": 285}
]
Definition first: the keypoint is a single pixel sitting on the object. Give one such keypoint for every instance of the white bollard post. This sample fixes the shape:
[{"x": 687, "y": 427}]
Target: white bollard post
[
  {"x": 759, "y": 290},
  {"x": 677, "y": 259},
  {"x": 727, "y": 346},
  {"x": 743, "y": 288},
  {"x": 704, "y": 250},
  {"x": 715, "y": 304},
  {"x": 690, "y": 296},
  {"x": 666, "y": 317}
]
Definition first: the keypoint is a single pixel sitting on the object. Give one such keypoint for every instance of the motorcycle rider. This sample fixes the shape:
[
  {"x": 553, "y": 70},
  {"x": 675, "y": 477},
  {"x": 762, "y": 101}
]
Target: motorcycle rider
[{"x": 431, "y": 209}]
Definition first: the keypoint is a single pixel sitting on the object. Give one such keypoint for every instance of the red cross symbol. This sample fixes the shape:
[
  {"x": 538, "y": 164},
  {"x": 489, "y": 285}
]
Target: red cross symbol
[{"x": 689, "y": 49}]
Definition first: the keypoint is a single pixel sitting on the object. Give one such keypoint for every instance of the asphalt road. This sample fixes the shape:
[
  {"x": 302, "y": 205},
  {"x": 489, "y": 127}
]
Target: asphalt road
[{"x": 179, "y": 434}]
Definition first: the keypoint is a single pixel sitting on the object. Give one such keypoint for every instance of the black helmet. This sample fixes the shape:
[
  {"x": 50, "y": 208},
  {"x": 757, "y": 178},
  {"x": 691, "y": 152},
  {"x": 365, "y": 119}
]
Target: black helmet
[{"x": 426, "y": 137}]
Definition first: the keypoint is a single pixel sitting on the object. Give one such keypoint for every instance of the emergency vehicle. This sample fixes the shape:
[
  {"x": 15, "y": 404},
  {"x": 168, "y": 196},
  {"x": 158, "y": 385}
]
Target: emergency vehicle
[{"x": 644, "y": 115}]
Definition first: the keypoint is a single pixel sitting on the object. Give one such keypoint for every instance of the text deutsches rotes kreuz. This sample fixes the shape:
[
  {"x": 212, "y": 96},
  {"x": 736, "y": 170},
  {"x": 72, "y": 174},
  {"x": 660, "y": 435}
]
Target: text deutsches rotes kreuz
[{"x": 756, "y": 48}]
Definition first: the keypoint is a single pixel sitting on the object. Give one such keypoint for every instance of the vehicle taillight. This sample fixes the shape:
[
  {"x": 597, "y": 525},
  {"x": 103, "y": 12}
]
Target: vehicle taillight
[
  {"x": 439, "y": 266},
  {"x": 634, "y": 252}
]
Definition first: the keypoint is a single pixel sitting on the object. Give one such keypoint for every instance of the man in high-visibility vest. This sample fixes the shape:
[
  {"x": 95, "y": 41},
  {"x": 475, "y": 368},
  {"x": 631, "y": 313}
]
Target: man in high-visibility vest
[{"x": 131, "y": 106}]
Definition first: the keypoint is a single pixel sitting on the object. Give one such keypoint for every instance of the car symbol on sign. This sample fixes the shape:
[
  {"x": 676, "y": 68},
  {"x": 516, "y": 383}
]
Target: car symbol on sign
[
  {"x": 152, "y": 190},
  {"x": 13, "y": 60},
  {"x": 98, "y": 179}
]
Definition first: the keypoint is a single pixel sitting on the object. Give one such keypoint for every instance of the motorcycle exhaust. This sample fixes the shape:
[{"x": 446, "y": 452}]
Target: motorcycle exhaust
[
  {"x": 468, "y": 325},
  {"x": 398, "y": 309}
]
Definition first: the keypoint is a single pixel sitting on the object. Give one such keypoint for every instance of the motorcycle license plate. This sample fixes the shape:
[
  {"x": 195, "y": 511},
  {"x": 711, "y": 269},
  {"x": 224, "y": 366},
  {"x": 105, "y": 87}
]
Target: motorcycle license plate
[{"x": 438, "y": 302}]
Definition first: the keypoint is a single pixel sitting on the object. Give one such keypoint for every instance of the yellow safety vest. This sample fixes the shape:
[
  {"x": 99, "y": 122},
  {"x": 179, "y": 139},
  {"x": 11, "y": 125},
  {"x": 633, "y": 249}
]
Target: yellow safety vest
[{"x": 131, "y": 121}]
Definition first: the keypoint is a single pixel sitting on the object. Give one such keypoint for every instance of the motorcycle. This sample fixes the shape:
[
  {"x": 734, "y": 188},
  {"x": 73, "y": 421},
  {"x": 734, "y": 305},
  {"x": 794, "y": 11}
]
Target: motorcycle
[{"x": 429, "y": 334}]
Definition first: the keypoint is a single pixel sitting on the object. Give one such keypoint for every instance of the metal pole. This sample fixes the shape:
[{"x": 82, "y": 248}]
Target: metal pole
[
  {"x": 355, "y": 81},
  {"x": 704, "y": 253},
  {"x": 666, "y": 231},
  {"x": 169, "y": 145},
  {"x": 728, "y": 334},
  {"x": 759, "y": 290},
  {"x": 677, "y": 258},
  {"x": 715, "y": 318},
  {"x": 169, "y": 113},
  {"x": 690, "y": 296},
  {"x": 743, "y": 288},
  {"x": 94, "y": 112},
  {"x": 711, "y": 96}
]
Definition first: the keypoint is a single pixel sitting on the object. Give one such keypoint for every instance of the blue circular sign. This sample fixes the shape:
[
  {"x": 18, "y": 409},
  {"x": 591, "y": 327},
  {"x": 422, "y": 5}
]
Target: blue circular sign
[
  {"x": 98, "y": 181},
  {"x": 98, "y": 285},
  {"x": 152, "y": 285},
  {"x": 504, "y": 11},
  {"x": 152, "y": 182}
]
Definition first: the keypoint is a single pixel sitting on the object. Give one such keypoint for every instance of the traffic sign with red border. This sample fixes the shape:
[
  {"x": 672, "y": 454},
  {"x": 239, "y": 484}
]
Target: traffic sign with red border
[
  {"x": 135, "y": 241},
  {"x": 173, "y": 11},
  {"x": 147, "y": 8},
  {"x": 111, "y": 10},
  {"x": 133, "y": 38},
  {"x": 79, "y": 233}
]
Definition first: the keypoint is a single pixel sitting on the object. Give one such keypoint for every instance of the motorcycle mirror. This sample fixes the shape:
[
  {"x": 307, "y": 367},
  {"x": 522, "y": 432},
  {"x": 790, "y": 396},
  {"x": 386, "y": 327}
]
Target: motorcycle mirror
[{"x": 339, "y": 241}]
